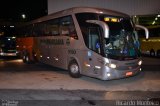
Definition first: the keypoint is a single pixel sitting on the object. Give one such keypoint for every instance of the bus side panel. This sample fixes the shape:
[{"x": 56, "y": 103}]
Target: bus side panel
[
  {"x": 52, "y": 51},
  {"x": 92, "y": 64},
  {"x": 24, "y": 45},
  {"x": 36, "y": 51},
  {"x": 41, "y": 49},
  {"x": 58, "y": 57}
]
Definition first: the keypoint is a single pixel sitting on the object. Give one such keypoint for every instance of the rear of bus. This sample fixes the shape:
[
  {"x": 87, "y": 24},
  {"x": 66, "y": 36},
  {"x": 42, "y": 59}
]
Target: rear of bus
[{"x": 8, "y": 46}]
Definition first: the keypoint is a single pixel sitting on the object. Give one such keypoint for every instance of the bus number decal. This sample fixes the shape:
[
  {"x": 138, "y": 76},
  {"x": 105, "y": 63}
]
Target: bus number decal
[
  {"x": 52, "y": 41},
  {"x": 72, "y": 51},
  {"x": 67, "y": 42}
]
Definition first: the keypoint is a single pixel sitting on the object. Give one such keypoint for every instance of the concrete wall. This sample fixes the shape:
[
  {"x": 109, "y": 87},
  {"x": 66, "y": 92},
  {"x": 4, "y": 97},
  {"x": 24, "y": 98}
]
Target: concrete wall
[{"x": 131, "y": 7}]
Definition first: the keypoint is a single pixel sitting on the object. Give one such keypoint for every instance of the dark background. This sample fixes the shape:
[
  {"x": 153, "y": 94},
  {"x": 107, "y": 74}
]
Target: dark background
[{"x": 12, "y": 10}]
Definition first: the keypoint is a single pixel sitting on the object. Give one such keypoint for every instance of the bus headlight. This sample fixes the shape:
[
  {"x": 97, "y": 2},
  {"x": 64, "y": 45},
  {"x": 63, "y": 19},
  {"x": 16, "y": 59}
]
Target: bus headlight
[
  {"x": 140, "y": 62},
  {"x": 108, "y": 74},
  {"x": 112, "y": 65}
]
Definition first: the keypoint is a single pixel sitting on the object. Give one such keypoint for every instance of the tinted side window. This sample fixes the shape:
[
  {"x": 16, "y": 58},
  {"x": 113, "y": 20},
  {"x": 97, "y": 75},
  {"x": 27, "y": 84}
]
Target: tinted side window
[
  {"x": 38, "y": 29},
  {"x": 26, "y": 31},
  {"x": 63, "y": 26},
  {"x": 67, "y": 27},
  {"x": 91, "y": 32},
  {"x": 52, "y": 27},
  {"x": 81, "y": 18}
]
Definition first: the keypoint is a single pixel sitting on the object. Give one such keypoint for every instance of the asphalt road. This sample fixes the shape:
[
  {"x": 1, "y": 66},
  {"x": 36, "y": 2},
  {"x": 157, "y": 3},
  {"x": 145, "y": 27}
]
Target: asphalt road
[{"x": 43, "y": 85}]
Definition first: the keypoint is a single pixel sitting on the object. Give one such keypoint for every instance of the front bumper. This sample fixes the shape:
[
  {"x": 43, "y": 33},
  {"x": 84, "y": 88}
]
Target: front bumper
[{"x": 110, "y": 74}]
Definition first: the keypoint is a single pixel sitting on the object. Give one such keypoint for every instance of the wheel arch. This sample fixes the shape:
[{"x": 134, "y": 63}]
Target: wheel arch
[{"x": 70, "y": 59}]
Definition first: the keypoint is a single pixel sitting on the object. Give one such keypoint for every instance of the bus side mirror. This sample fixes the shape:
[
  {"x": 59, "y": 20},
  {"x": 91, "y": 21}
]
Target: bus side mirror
[
  {"x": 145, "y": 29},
  {"x": 102, "y": 24}
]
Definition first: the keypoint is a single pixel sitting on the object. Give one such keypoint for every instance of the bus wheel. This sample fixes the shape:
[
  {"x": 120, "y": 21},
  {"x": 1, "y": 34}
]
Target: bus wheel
[
  {"x": 152, "y": 52},
  {"x": 74, "y": 69},
  {"x": 26, "y": 59},
  {"x": 158, "y": 53}
]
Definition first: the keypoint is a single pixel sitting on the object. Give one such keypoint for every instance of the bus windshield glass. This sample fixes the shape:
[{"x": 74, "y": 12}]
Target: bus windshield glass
[{"x": 122, "y": 43}]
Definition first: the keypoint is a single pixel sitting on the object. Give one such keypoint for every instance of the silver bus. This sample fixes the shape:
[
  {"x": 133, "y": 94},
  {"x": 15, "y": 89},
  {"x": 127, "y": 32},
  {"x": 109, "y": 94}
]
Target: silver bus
[{"x": 87, "y": 41}]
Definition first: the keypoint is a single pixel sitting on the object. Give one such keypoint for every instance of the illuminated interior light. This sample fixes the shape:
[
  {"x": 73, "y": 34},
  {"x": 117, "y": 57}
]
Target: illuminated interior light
[
  {"x": 153, "y": 22},
  {"x": 17, "y": 46},
  {"x": 135, "y": 16},
  {"x": 156, "y": 18},
  {"x": 140, "y": 62},
  {"x": 101, "y": 12},
  {"x": 41, "y": 56},
  {"x": 158, "y": 15},
  {"x": 98, "y": 67},
  {"x": 9, "y": 39},
  {"x": 48, "y": 57},
  {"x": 13, "y": 37}
]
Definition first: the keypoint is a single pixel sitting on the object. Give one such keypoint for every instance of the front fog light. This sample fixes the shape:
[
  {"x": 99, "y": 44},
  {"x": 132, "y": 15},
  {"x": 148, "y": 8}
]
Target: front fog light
[
  {"x": 112, "y": 66},
  {"x": 140, "y": 62}
]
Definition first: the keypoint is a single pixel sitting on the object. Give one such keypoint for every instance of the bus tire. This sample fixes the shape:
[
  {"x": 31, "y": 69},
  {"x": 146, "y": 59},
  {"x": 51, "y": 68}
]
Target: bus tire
[
  {"x": 152, "y": 52},
  {"x": 26, "y": 59},
  {"x": 74, "y": 70},
  {"x": 34, "y": 60},
  {"x": 158, "y": 53}
]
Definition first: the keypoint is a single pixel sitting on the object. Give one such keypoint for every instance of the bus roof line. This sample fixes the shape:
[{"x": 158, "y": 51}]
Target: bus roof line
[{"x": 78, "y": 10}]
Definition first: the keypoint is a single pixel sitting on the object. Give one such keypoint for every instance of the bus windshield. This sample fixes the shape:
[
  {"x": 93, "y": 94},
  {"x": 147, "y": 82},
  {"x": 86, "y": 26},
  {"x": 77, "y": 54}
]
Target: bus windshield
[{"x": 122, "y": 43}]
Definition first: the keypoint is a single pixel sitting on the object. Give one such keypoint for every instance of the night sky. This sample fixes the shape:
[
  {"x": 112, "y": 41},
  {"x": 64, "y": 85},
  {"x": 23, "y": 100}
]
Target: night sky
[{"x": 13, "y": 9}]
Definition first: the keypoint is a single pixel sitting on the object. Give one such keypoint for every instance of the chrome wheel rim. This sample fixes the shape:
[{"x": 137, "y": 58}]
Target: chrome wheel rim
[
  {"x": 27, "y": 58},
  {"x": 74, "y": 68}
]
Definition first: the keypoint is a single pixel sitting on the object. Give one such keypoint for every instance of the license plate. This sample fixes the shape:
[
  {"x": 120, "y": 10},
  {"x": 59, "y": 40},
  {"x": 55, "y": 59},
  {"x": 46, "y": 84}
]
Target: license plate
[{"x": 129, "y": 73}]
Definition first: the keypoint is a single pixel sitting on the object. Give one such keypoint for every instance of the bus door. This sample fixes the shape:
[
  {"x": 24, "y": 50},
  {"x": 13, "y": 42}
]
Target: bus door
[{"x": 94, "y": 46}]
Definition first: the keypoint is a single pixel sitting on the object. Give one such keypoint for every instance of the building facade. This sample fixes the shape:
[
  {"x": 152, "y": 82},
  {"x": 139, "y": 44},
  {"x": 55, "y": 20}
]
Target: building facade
[{"x": 131, "y": 7}]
